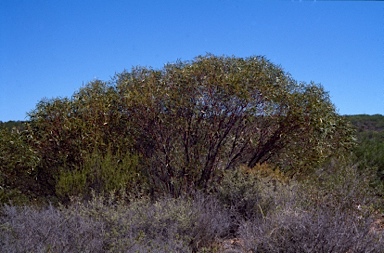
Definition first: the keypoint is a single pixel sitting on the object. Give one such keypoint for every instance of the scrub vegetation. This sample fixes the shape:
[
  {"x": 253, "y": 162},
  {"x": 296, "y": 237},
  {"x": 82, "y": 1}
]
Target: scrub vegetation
[{"x": 191, "y": 158}]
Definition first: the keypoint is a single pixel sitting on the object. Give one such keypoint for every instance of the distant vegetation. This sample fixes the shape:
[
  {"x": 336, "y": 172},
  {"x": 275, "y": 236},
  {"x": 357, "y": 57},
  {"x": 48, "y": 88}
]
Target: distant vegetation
[
  {"x": 9, "y": 125},
  {"x": 367, "y": 123},
  {"x": 370, "y": 149},
  {"x": 183, "y": 158}
]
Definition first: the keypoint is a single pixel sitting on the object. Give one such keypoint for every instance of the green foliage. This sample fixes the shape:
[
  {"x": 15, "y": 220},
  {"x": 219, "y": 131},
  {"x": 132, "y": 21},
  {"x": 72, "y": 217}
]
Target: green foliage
[
  {"x": 101, "y": 174},
  {"x": 370, "y": 152},
  {"x": 188, "y": 123},
  {"x": 19, "y": 125},
  {"x": 65, "y": 132},
  {"x": 370, "y": 149},
  {"x": 18, "y": 162},
  {"x": 194, "y": 119},
  {"x": 367, "y": 123},
  {"x": 14, "y": 196}
]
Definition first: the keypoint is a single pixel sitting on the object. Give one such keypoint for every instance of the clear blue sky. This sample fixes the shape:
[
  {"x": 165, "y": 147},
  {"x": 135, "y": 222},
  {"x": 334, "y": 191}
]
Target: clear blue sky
[{"x": 50, "y": 48}]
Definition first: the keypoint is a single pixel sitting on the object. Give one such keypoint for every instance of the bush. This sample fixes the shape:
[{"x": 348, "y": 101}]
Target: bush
[
  {"x": 101, "y": 174},
  {"x": 108, "y": 225},
  {"x": 369, "y": 153},
  {"x": 183, "y": 221},
  {"x": 331, "y": 212},
  {"x": 18, "y": 162},
  {"x": 25, "y": 229},
  {"x": 339, "y": 184},
  {"x": 14, "y": 196},
  {"x": 315, "y": 230},
  {"x": 65, "y": 132},
  {"x": 253, "y": 192}
]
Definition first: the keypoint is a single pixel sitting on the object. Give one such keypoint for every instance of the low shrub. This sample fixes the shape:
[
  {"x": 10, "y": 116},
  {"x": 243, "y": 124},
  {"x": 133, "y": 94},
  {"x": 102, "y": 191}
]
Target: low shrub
[
  {"x": 14, "y": 196},
  {"x": 107, "y": 225},
  {"x": 331, "y": 212},
  {"x": 315, "y": 230},
  {"x": 340, "y": 185},
  {"x": 187, "y": 222},
  {"x": 253, "y": 192},
  {"x": 26, "y": 229}
]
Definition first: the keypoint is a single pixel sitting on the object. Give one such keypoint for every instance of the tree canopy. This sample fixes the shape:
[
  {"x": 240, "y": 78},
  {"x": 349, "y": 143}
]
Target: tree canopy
[
  {"x": 187, "y": 123},
  {"x": 194, "y": 119}
]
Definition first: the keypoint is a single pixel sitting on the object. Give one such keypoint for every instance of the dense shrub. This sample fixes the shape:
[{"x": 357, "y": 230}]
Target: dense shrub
[
  {"x": 343, "y": 186},
  {"x": 107, "y": 225},
  {"x": 194, "y": 222},
  {"x": 65, "y": 132},
  {"x": 101, "y": 174},
  {"x": 25, "y": 229},
  {"x": 18, "y": 165},
  {"x": 319, "y": 229},
  {"x": 333, "y": 211},
  {"x": 369, "y": 153},
  {"x": 253, "y": 192}
]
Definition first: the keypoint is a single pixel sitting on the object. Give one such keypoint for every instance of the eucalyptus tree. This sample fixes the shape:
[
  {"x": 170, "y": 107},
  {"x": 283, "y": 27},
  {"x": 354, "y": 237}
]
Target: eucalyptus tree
[
  {"x": 18, "y": 162},
  {"x": 186, "y": 124},
  {"x": 192, "y": 120},
  {"x": 83, "y": 142}
]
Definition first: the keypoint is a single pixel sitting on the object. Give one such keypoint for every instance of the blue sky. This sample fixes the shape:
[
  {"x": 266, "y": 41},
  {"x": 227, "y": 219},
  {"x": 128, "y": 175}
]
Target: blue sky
[{"x": 51, "y": 48}]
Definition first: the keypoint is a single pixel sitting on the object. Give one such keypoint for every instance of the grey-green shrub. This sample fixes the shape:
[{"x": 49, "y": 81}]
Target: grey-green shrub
[
  {"x": 110, "y": 225},
  {"x": 26, "y": 229},
  {"x": 315, "y": 230},
  {"x": 253, "y": 192},
  {"x": 185, "y": 221},
  {"x": 344, "y": 186},
  {"x": 331, "y": 212}
]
